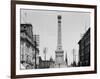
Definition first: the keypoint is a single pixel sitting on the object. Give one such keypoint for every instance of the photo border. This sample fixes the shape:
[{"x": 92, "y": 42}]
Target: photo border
[{"x": 13, "y": 38}]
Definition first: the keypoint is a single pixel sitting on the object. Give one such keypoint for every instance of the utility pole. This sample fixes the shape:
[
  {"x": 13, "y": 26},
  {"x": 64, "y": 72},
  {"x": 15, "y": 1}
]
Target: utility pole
[
  {"x": 85, "y": 27},
  {"x": 36, "y": 41},
  {"x": 24, "y": 17}
]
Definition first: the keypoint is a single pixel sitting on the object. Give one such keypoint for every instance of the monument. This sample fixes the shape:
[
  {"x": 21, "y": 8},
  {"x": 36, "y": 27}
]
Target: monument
[{"x": 59, "y": 53}]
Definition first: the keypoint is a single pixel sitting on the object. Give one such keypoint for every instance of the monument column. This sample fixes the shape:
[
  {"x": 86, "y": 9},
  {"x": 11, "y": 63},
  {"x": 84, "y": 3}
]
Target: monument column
[
  {"x": 59, "y": 44},
  {"x": 59, "y": 53}
]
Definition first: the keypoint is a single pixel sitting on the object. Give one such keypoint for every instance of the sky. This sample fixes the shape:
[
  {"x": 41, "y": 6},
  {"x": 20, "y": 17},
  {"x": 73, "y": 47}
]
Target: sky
[{"x": 45, "y": 24}]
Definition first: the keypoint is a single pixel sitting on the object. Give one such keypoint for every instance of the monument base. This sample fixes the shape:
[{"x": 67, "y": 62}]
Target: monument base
[{"x": 62, "y": 65}]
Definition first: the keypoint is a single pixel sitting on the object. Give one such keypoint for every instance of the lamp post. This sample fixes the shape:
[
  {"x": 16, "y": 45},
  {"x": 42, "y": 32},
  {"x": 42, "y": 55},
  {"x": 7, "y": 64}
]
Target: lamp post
[
  {"x": 45, "y": 52},
  {"x": 35, "y": 51}
]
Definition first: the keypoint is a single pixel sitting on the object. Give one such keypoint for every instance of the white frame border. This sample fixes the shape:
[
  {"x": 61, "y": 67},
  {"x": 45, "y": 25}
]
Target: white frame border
[{"x": 43, "y": 71}]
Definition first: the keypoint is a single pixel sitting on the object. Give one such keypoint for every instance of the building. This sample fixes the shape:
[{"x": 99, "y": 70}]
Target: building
[
  {"x": 84, "y": 49},
  {"x": 46, "y": 63},
  {"x": 28, "y": 50}
]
